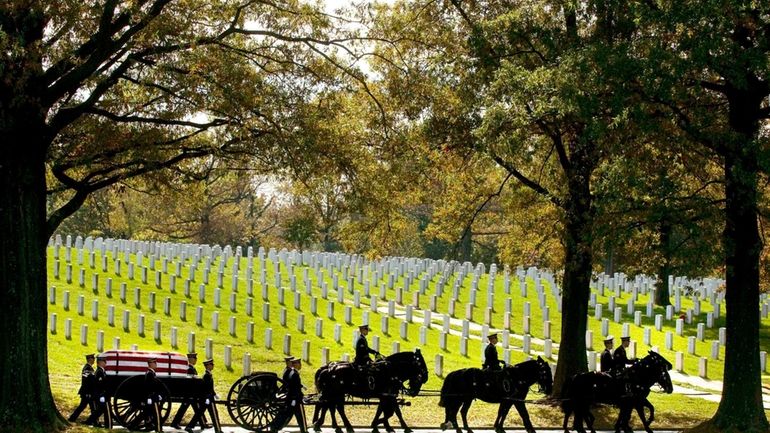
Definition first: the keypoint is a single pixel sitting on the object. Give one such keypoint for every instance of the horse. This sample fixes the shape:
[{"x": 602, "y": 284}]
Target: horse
[
  {"x": 508, "y": 386},
  {"x": 383, "y": 380},
  {"x": 627, "y": 390}
]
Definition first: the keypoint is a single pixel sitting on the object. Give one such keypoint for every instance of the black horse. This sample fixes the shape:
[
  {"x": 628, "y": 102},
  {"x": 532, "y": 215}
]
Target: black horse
[
  {"x": 383, "y": 380},
  {"x": 508, "y": 387},
  {"x": 627, "y": 390}
]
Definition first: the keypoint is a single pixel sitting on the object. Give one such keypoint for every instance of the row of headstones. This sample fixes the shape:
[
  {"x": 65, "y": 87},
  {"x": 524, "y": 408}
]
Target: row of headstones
[
  {"x": 268, "y": 344},
  {"x": 182, "y": 251},
  {"x": 707, "y": 286},
  {"x": 416, "y": 297},
  {"x": 423, "y": 281}
]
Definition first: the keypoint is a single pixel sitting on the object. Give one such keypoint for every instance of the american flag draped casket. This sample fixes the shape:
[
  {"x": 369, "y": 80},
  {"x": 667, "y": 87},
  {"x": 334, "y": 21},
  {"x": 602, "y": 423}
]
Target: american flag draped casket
[{"x": 134, "y": 362}]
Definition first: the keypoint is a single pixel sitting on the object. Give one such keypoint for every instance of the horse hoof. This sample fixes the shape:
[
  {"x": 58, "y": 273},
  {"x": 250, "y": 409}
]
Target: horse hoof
[
  {"x": 407, "y": 430},
  {"x": 349, "y": 430},
  {"x": 316, "y": 428}
]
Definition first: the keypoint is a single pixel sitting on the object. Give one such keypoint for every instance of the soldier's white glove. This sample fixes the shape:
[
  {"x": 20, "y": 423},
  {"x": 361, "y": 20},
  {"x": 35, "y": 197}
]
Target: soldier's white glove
[
  {"x": 160, "y": 397},
  {"x": 149, "y": 401},
  {"x": 293, "y": 403},
  {"x": 101, "y": 399},
  {"x": 207, "y": 402}
]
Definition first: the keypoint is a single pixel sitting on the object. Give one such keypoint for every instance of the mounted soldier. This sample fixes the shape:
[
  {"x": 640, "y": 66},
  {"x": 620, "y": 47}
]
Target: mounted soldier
[
  {"x": 363, "y": 351},
  {"x": 607, "y": 361},
  {"x": 491, "y": 361},
  {"x": 620, "y": 357}
]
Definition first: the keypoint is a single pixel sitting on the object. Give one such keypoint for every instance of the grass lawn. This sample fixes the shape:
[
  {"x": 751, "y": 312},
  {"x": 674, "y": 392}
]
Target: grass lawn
[{"x": 66, "y": 355}]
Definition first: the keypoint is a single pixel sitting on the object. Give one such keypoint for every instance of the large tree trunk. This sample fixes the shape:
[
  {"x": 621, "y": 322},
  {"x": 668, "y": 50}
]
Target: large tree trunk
[
  {"x": 740, "y": 408},
  {"x": 577, "y": 280},
  {"x": 26, "y": 403}
]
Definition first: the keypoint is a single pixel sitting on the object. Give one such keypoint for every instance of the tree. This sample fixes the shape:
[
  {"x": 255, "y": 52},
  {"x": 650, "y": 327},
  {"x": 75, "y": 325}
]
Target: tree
[
  {"x": 93, "y": 93},
  {"x": 539, "y": 91},
  {"x": 707, "y": 66}
]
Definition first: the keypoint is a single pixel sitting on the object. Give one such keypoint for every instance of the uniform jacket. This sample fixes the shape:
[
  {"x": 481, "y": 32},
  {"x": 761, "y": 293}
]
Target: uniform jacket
[
  {"x": 490, "y": 357},
  {"x": 86, "y": 380},
  {"x": 99, "y": 386},
  {"x": 191, "y": 370},
  {"x": 363, "y": 351},
  {"x": 208, "y": 385},
  {"x": 293, "y": 385},
  {"x": 607, "y": 361},
  {"x": 620, "y": 358}
]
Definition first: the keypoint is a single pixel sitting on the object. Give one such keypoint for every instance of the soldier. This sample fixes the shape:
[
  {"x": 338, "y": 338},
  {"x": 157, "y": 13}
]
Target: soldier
[
  {"x": 286, "y": 371},
  {"x": 294, "y": 395},
  {"x": 607, "y": 362},
  {"x": 192, "y": 359},
  {"x": 86, "y": 388},
  {"x": 620, "y": 357},
  {"x": 362, "y": 347},
  {"x": 621, "y": 361},
  {"x": 491, "y": 362},
  {"x": 100, "y": 397},
  {"x": 207, "y": 400},
  {"x": 152, "y": 387}
]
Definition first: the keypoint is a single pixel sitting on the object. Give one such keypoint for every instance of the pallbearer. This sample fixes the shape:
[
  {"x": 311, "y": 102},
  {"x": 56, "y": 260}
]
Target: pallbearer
[
  {"x": 294, "y": 395},
  {"x": 86, "y": 388},
  {"x": 207, "y": 400},
  {"x": 192, "y": 359},
  {"x": 153, "y": 386},
  {"x": 101, "y": 399}
]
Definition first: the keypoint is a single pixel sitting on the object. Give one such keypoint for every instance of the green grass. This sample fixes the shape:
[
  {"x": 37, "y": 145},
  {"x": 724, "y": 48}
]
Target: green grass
[{"x": 66, "y": 355}]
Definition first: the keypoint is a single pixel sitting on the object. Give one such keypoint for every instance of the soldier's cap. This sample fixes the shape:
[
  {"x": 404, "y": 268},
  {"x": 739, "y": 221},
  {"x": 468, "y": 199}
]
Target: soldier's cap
[
  {"x": 101, "y": 358},
  {"x": 625, "y": 337},
  {"x": 192, "y": 355},
  {"x": 493, "y": 335},
  {"x": 90, "y": 356},
  {"x": 288, "y": 358},
  {"x": 149, "y": 360},
  {"x": 364, "y": 327},
  {"x": 609, "y": 339},
  {"x": 208, "y": 361}
]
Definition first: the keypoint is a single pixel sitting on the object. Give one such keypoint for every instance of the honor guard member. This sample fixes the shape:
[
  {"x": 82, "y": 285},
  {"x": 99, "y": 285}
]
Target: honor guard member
[
  {"x": 192, "y": 359},
  {"x": 86, "y": 388},
  {"x": 362, "y": 347},
  {"x": 152, "y": 387},
  {"x": 606, "y": 360},
  {"x": 286, "y": 371},
  {"x": 621, "y": 360},
  {"x": 491, "y": 362},
  {"x": 294, "y": 395},
  {"x": 207, "y": 400},
  {"x": 100, "y": 398}
]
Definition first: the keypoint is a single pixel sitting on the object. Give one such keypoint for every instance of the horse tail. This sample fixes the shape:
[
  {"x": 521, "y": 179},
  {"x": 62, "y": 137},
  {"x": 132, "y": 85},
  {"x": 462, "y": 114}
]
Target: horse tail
[{"x": 445, "y": 390}]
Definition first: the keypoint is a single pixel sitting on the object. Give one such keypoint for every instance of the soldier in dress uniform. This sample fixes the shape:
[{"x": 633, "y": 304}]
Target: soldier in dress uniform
[
  {"x": 207, "y": 401},
  {"x": 621, "y": 361},
  {"x": 152, "y": 387},
  {"x": 86, "y": 388},
  {"x": 491, "y": 361},
  {"x": 100, "y": 398},
  {"x": 362, "y": 347},
  {"x": 294, "y": 395},
  {"x": 606, "y": 360},
  {"x": 620, "y": 356},
  {"x": 192, "y": 359}
]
